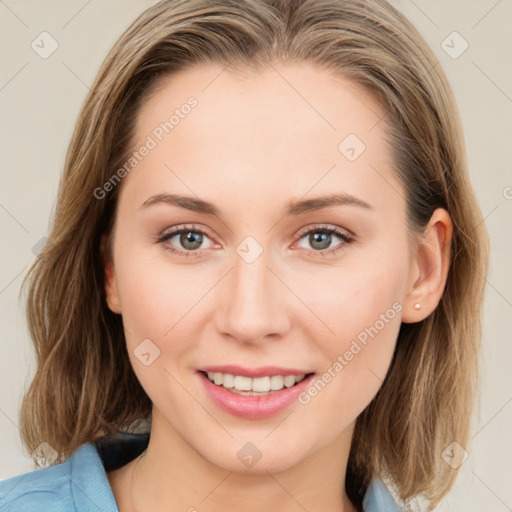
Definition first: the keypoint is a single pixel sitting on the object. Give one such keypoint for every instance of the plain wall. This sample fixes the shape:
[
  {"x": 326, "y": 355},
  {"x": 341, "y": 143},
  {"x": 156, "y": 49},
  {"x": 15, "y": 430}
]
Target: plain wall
[{"x": 39, "y": 102}]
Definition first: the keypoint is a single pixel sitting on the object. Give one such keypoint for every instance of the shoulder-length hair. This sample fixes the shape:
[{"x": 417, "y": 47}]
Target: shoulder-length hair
[{"x": 84, "y": 386}]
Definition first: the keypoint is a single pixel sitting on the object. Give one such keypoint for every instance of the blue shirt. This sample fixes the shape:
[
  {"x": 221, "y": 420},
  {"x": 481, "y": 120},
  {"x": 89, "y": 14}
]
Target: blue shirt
[{"x": 80, "y": 483}]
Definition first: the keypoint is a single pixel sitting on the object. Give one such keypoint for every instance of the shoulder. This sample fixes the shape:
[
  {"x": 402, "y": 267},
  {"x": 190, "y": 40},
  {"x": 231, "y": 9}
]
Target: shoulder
[
  {"x": 30, "y": 491},
  {"x": 378, "y": 498},
  {"x": 67, "y": 487},
  {"x": 79, "y": 484}
]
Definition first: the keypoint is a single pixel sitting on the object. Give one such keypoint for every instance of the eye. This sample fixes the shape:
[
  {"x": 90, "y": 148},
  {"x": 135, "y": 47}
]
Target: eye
[
  {"x": 321, "y": 239},
  {"x": 189, "y": 240}
]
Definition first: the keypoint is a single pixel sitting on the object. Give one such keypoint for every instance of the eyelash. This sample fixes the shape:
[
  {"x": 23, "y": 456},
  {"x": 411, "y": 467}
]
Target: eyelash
[{"x": 343, "y": 235}]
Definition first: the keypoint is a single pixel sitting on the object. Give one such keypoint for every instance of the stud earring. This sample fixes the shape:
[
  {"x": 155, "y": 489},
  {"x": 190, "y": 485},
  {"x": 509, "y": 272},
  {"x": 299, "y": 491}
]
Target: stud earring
[{"x": 417, "y": 306}]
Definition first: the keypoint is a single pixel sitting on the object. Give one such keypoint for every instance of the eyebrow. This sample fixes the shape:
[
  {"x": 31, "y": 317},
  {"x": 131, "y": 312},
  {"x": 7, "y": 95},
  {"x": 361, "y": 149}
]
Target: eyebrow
[{"x": 293, "y": 208}]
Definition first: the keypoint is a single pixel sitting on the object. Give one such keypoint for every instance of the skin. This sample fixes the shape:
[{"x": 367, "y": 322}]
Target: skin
[{"x": 254, "y": 143}]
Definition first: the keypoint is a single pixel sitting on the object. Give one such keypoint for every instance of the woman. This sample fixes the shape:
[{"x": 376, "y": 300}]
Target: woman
[{"x": 267, "y": 245}]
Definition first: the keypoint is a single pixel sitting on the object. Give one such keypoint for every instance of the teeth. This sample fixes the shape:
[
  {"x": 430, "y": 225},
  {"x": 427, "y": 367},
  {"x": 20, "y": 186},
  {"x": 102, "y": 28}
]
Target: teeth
[
  {"x": 261, "y": 384},
  {"x": 228, "y": 381},
  {"x": 240, "y": 383},
  {"x": 276, "y": 382},
  {"x": 249, "y": 386},
  {"x": 289, "y": 381}
]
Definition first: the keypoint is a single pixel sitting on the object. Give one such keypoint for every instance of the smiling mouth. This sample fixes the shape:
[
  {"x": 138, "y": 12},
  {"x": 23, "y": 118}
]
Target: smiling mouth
[{"x": 258, "y": 386}]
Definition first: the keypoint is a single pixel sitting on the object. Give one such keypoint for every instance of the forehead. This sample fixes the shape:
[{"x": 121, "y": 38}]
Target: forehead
[
  {"x": 287, "y": 127},
  {"x": 283, "y": 98}
]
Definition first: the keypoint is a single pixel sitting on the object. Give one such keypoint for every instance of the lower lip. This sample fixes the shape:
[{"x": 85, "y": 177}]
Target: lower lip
[{"x": 253, "y": 407}]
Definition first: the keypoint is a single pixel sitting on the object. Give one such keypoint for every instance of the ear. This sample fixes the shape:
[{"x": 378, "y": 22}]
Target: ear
[
  {"x": 111, "y": 291},
  {"x": 429, "y": 271}
]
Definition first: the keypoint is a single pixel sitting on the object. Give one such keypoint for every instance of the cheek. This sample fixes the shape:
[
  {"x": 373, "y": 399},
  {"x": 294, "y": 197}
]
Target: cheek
[
  {"x": 356, "y": 362},
  {"x": 155, "y": 294},
  {"x": 157, "y": 302},
  {"x": 356, "y": 299},
  {"x": 362, "y": 308}
]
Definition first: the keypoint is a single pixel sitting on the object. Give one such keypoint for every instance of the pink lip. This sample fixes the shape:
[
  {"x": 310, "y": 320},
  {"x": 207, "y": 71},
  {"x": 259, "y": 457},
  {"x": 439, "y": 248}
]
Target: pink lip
[
  {"x": 262, "y": 371},
  {"x": 253, "y": 407}
]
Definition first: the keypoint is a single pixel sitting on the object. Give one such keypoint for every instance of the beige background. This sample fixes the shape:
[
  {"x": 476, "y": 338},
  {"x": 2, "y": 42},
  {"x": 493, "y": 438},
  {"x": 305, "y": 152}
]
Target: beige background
[{"x": 39, "y": 101}]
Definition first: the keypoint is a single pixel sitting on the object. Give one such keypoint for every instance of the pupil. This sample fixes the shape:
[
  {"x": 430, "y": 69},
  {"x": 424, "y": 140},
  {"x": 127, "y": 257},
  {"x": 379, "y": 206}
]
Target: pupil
[
  {"x": 191, "y": 240},
  {"x": 324, "y": 240}
]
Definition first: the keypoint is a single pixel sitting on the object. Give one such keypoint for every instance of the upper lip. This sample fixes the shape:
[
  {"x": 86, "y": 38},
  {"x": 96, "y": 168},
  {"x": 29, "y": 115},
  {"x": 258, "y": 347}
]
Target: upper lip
[{"x": 260, "y": 371}]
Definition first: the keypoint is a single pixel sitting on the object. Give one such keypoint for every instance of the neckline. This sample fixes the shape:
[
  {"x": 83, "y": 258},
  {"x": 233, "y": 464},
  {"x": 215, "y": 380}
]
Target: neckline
[
  {"x": 117, "y": 450},
  {"x": 120, "y": 449}
]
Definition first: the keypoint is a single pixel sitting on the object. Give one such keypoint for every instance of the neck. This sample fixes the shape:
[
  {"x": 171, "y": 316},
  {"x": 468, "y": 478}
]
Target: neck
[{"x": 172, "y": 473}]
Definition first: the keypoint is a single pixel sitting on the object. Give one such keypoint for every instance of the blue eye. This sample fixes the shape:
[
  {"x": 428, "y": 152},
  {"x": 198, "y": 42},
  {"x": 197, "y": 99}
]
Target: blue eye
[
  {"x": 190, "y": 239},
  {"x": 320, "y": 239}
]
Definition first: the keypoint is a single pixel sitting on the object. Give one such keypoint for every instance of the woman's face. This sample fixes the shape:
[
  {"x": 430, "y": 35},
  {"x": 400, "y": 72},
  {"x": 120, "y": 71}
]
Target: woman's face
[{"x": 257, "y": 285}]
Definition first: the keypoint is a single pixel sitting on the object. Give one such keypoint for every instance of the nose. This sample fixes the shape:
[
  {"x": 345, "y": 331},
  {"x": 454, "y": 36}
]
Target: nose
[{"x": 254, "y": 304}]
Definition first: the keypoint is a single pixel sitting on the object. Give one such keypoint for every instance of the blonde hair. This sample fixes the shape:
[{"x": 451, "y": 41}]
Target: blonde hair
[{"x": 84, "y": 385}]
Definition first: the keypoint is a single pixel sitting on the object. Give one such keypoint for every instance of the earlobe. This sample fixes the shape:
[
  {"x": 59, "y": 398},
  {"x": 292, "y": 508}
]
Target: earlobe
[
  {"x": 111, "y": 292},
  {"x": 432, "y": 262}
]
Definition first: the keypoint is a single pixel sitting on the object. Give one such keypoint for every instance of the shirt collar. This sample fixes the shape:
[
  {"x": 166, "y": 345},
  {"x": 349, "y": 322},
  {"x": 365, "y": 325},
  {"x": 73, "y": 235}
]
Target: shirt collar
[{"x": 91, "y": 462}]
